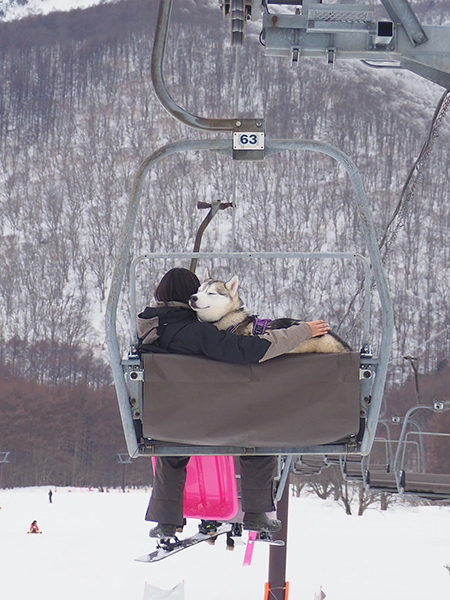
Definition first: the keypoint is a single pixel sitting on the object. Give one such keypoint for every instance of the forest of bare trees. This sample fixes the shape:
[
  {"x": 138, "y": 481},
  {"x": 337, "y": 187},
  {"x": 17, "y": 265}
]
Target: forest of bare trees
[
  {"x": 78, "y": 114},
  {"x": 63, "y": 433}
]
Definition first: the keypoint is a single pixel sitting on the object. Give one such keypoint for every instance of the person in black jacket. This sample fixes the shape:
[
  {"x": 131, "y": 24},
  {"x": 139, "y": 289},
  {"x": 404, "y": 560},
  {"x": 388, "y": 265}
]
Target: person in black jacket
[{"x": 172, "y": 326}]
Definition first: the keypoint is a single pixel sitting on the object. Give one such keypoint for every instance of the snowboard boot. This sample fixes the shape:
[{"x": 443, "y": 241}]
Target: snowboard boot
[
  {"x": 163, "y": 530},
  {"x": 209, "y": 527},
  {"x": 212, "y": 541},
  {"x": 260, "y": 522},
  {"x": 230, "y": 542}
]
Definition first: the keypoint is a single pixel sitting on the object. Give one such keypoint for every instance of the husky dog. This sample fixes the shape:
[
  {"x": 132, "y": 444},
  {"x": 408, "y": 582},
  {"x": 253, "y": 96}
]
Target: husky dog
[{"x": 218, "y": 302}]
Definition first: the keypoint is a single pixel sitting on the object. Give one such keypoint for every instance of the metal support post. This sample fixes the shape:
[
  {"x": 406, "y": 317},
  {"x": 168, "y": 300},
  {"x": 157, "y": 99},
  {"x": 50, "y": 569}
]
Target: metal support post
[
  {"x": 277, "y": 587},
  {"x": 3, "y": 460},
  {"x": 124, "y": 459}
]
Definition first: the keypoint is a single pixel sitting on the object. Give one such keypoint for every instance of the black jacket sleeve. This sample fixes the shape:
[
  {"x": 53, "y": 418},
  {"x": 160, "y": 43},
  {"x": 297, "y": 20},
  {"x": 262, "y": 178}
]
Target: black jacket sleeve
[
  {"x": 206, "y": 339},
  {"x": 178, "y": 330}
]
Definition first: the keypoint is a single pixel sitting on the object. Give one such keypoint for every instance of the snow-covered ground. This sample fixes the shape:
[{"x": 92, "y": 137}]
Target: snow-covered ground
[{"x": 90, "y": 539}]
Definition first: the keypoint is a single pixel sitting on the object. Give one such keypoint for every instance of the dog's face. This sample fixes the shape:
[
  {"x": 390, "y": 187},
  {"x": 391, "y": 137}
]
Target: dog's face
[{"x": 215, "y": 299}]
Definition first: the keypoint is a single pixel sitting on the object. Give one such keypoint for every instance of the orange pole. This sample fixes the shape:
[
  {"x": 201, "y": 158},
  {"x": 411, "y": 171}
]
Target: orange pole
[{"x": 267, "y": 591}]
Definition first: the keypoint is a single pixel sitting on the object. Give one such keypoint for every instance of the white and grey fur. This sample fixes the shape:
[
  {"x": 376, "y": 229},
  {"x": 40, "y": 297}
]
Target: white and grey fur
[{"x": 218, "y": 302}]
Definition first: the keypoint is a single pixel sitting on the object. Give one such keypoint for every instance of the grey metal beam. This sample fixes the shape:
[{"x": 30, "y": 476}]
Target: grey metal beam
[
  {"x": 297, "y": 36},
  {"x": 156, "y": 448},
  {"x": 401, "y": 12},
  {"x": 439, "y": 76}
]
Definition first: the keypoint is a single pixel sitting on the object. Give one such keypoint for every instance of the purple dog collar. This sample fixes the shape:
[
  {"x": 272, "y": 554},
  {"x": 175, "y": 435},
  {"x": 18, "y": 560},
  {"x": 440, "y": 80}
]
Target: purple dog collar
[{"x": 259, "y": 325}]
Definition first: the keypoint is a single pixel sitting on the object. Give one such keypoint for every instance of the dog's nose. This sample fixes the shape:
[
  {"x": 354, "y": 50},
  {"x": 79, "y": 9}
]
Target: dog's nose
[{"x": 194, "y": 298}]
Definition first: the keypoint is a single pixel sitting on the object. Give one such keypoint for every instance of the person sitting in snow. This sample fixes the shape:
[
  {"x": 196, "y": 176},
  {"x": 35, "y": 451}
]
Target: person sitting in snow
[{"x": 34, "y": 528}]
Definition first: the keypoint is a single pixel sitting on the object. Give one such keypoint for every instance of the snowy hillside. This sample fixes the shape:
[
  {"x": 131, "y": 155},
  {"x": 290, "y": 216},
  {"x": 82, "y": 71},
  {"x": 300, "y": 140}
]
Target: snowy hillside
[
  {"x": 79, "y": 115},
  {"x": 11, "y": 10},
  {"x": 90, "y": 539}
]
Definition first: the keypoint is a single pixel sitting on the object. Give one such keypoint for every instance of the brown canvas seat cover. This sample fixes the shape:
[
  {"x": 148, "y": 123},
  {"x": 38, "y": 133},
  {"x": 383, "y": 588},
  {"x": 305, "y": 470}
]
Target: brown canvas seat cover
[{"x": 293, "y": 400}]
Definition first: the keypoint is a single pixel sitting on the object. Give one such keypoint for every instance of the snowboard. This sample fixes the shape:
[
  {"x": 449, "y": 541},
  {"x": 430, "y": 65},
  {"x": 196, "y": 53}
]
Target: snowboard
[
  {"x": 167, "y": 547},
  {"x": 258, "y": 536},
  {"x": 265, "y": 536}
]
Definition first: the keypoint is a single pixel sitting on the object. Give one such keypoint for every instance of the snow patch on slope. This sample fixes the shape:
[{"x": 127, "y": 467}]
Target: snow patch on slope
[{"x": 12, "y": 10}]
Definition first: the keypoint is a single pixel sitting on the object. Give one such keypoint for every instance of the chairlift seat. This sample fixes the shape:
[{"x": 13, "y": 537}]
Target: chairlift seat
[
  {"x": 433, "y": 486},
  {"x": 290, "y": 401}
]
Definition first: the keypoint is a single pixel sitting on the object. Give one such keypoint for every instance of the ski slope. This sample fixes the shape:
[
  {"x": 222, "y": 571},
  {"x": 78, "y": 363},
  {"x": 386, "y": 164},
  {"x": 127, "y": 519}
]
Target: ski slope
[{"x": 90, "y": 539}]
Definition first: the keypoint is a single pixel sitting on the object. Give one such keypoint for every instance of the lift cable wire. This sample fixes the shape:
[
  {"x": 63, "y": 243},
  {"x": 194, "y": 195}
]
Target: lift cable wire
[
  {"x": 415, "y": 175},
  {"x": 409, "y": 190},
  {"x": 237, "y": 76}
]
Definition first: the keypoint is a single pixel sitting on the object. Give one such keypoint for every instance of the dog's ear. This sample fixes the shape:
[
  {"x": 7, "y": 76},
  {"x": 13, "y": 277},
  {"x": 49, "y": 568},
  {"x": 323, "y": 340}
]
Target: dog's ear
[
  {"x": 232, "y": 285},
  {"x": 206, "y": 275}
]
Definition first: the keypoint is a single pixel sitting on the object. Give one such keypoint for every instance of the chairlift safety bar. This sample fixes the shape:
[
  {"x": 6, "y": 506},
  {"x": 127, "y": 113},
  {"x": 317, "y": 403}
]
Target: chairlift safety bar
[{"x": 248, "y": 256}]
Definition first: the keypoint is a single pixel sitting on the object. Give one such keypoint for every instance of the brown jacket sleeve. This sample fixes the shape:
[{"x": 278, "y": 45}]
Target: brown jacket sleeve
[{"x": 283, "y": 341}]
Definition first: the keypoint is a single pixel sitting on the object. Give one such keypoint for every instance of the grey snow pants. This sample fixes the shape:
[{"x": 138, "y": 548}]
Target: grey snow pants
[{"x": 166, "y": 502}]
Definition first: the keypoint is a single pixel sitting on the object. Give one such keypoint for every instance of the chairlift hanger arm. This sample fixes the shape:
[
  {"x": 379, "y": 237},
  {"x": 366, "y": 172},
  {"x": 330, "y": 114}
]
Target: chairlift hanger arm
[
  {"x": 159, "y": 46},
  {"x": 249, "y": 127},
  {"x": 214, "y": 208}
]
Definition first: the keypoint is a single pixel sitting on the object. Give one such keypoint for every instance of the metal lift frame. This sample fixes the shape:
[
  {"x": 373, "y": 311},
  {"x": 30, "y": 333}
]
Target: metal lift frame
[
  {"x": 333, "y": 32},
  {"x": 122, "y": 370}
]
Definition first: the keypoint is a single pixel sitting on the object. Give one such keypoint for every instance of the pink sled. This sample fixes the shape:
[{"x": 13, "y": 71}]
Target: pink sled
[{"x": 210, "y": 492}]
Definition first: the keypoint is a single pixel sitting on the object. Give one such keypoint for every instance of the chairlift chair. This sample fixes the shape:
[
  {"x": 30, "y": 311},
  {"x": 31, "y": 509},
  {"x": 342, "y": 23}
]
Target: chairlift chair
[
  {"x": 291, "y": 421},
  {"x": 356, "y": 395}
]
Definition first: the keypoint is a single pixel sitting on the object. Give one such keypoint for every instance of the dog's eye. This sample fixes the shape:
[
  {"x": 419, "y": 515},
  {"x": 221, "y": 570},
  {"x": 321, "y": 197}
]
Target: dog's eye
[{"x": 212, "y": 294}]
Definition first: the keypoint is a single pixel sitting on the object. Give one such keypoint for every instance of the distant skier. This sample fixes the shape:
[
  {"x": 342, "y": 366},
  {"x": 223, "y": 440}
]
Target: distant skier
[
  {"x": 34, "y": 528},
  {"x": 50, "y": 496}
]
